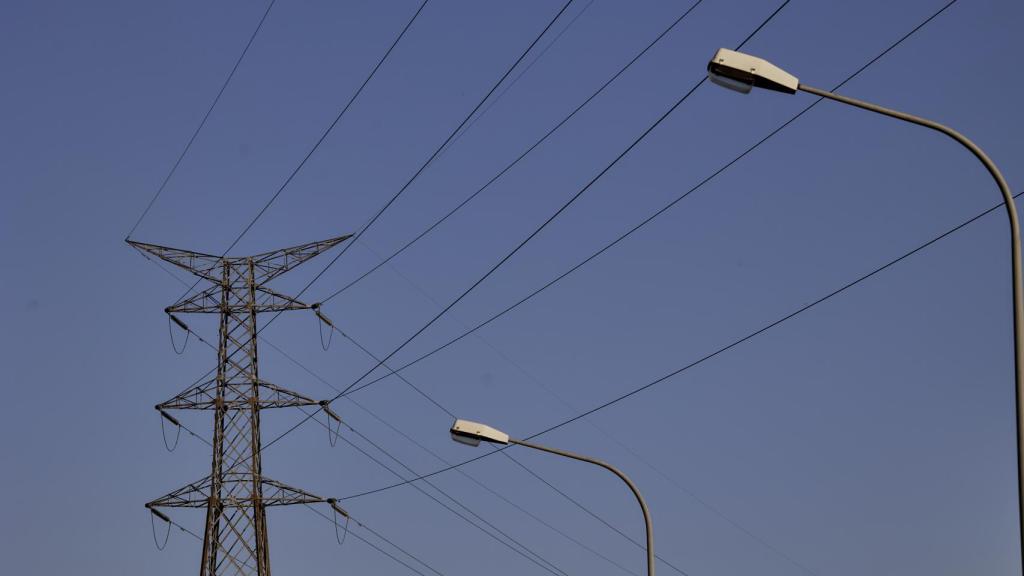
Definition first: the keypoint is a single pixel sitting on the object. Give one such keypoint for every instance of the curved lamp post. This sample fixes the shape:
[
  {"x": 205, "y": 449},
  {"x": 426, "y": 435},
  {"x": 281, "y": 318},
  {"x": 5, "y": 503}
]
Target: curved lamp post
[
  {"x": 741, "y": 72},
  {"x": 472, "y": 433}
]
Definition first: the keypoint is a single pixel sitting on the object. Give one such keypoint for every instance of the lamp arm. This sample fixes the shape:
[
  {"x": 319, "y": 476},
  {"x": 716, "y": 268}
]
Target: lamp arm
[
  {"x": 1015, "y": 253},
  {"x": 978, "y": 152},
  {"x": 636, "y": 491}
]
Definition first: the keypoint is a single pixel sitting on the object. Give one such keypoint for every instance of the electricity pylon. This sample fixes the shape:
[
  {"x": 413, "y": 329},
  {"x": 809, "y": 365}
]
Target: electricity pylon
[{"x": 236, "y": 493}]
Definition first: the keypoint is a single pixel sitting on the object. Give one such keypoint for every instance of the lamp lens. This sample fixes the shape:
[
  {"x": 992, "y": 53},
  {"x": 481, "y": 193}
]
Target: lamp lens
[{"x": 731, "y": 83}]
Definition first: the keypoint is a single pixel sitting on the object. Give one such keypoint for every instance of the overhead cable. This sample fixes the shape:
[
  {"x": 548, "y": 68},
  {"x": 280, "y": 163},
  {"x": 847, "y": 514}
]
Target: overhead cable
[
  {"x": 522, "y": 155},
  {"x": 724, "y": 348},
  {"x": 656, "y": 214},
  {"x": 202, "y": 123},
  {"x": 441, "y": 147},
  {"x": 533, "y": 234},
  {"x": 320, "y": 140}
]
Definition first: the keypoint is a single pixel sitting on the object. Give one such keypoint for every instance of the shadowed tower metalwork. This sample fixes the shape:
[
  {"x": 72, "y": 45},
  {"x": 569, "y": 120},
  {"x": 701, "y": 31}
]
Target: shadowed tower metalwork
[{"x": 236, "y": 493}]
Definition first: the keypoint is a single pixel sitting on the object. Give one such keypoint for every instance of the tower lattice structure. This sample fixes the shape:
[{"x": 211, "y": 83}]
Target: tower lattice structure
[{"x": 236, "y": 493}]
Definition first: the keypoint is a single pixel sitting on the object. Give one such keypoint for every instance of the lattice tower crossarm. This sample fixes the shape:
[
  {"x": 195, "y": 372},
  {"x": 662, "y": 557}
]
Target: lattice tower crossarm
[{"x": 236, "y": 493}]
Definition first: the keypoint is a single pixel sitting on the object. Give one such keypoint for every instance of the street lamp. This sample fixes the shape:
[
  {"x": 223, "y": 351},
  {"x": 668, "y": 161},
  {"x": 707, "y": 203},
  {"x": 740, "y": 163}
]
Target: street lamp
[
  {"x": 741, "y": 72},
  {"x": 472, "y": 433}
]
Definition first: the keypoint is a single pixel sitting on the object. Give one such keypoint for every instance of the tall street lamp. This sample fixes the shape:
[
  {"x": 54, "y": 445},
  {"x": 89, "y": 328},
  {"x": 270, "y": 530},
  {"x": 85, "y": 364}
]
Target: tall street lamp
[
  {"x": 741, "y": 72},
  {"x": 472, "y": 433}
]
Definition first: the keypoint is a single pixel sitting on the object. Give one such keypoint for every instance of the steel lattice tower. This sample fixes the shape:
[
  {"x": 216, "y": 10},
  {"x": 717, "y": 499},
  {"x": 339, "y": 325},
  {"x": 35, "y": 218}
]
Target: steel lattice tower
[{"x": 236, "y": 493}]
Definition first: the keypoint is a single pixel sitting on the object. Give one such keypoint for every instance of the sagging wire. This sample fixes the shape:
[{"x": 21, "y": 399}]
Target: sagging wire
[
  {"x": 152, "y": 524},
  {"x": 323, "y": 320},
  {"x": 170, "y": 332},
  {"x": 332, "y": 433},
  {"x": 163, "y": 430},
  {"x": 336, "y": 511}
]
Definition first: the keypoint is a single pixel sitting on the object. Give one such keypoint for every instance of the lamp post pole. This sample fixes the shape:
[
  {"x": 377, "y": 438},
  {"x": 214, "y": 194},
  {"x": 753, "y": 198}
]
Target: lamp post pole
[{"x": 741, "y": 72}]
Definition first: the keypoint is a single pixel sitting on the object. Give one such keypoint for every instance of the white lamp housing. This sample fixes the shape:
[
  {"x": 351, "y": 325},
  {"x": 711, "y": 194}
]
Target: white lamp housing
[
  {"x": 741, "y": 72},
  {"x": 472, "y": 433}
]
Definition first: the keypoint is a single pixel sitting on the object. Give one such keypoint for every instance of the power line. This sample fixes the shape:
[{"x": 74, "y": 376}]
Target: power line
[
  {"x": 522, "y": 155},
  {"x": 522, "y": 549},
  {"x": 655, "y": 214},
  {"x": 593, "y": 425},
  {"x": 272, "y": 199},
  {"x": 419, "y": 445},
  {"x": 202, "y": 123},
  {"x": 724, "y": 348},
  {"x": 410, "y": 181},
  {"x": 377, "y": 548},
  {"x": 812, "y": 303},
  {"x": 316, "y": 145},
  {"x": 635, "y": 58},
  {"x": 588, "y": 511},
  {"x": 537, "y": 231},
  {"x": 435, "y": 455},
  {"x": 717, "y": 352},
  {"x": 448, "y": 412},
  {"x": 493, "y": 491},
  {"x": 330, "y": 126},
  {"x": 178, "y": 423},
  {"x": 557, "y": 213},
  {"x": 357, "y": 536},
  {"x": 510, "y": 254},
  {"x": 514, "y": 80},
  {"x": 438, "y": 150},
  {"x": 525, "y": 550}
]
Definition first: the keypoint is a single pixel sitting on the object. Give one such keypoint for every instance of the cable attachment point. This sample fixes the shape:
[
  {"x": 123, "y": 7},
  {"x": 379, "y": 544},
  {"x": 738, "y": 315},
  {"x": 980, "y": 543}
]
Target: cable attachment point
[
  {"x": 152, "y": 524},
  {"x": 170, "y": 331},
  {"x": 163, "y": 429},
  {"x": 325, "y": 344},
  {"x": 332, "y": 433},
  {"x": 339, "y": 510}
]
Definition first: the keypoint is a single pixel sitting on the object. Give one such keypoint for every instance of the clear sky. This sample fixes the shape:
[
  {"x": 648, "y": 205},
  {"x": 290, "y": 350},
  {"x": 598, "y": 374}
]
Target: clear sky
[{"x": 871, "y": 434}]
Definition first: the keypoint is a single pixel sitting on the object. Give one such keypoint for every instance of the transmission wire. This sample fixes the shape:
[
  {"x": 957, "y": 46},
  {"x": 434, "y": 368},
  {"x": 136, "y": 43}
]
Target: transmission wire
[
  {"x": 720, "y": 350},
  {"x": 526, "y": 152},
  {"x": 717, "y": 352},
  {"x": 568, "y": 405},
  {"x": 434, "y": 454},
  {"x": 522, "y": 552},
  {"x": 526, "y": 552},
  {"x": 514, "y": 80},
  {"x": 393, "y": 198},
  {"x": 330, "y": 127},
  {"x": 202, "y": 123},
  {"x": 558, "y": 212},
  {"x": 438, "y": 150},
  {"x": 655, "y": 214},
  {"x": 192, "y": 288},
  {"x": 374, "y": 546},
  {"x": 319, "y": 141}
]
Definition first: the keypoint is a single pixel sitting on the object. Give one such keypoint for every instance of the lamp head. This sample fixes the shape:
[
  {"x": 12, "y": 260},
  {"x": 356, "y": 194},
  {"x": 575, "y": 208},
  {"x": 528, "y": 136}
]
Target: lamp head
[
  {"x": 471, "y": 433},
  {"x": 741, "y": 72}
]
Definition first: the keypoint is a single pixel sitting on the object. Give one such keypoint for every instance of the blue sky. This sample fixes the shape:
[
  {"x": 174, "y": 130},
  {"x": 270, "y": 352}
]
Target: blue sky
[{"x": 871, "y": 434}]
